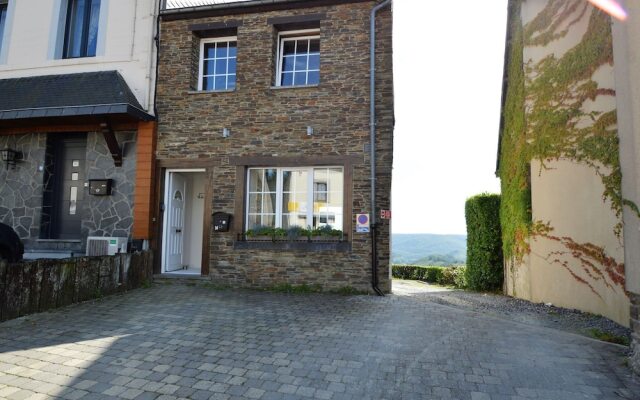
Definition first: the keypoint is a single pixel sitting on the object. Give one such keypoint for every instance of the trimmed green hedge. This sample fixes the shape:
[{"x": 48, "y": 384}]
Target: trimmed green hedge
[
  {"x": 448, "y": 276},
  {"x": 484, "y": 243}
]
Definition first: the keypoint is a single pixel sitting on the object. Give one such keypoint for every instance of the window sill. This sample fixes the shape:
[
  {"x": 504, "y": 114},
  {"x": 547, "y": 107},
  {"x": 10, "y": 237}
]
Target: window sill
[
  {"x": 76, "y": 58},
  {"x": 343, "y": 247},
  {"x": 210, "y": 91},
  {"x": 294, "y": 87}
]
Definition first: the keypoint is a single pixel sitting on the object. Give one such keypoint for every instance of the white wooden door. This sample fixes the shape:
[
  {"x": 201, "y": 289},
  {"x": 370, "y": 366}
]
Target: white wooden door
[{"x": 175, "y": 222}]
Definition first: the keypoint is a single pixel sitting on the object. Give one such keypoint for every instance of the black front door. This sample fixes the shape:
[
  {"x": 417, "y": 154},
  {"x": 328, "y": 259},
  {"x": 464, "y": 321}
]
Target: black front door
[{"x": 67, "y": 185}]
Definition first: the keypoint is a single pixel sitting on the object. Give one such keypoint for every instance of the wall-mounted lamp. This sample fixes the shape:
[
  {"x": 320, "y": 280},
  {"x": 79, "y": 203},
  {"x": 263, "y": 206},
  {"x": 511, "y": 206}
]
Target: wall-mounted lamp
[
  {"x": 226, "y": 132},
  {"x": 309, "y": 130},
  {"x": 10, "y": 157}
]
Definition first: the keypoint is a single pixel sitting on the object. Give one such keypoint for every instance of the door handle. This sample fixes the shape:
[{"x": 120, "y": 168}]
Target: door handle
[{"x": 178, "y": 230}]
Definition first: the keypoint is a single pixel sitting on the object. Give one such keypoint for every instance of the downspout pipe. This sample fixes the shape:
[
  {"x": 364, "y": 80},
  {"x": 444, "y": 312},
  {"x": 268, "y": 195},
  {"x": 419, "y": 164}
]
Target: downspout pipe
[
  {"x": 372, "y": 147},
  {"x": 156, "y": 39}
]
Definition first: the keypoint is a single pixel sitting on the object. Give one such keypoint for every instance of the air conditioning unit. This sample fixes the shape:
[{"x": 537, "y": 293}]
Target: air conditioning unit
[{"x": 106, "y": 246}]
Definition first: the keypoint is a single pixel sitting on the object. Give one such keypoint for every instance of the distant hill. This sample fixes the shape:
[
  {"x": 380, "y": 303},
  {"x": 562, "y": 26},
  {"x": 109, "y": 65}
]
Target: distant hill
[{"x": 428, "y": 249}]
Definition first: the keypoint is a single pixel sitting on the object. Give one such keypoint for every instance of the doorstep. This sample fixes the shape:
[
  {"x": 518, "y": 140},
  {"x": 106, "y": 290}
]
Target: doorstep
[
  {"x": 50, "y": 254},
  {"x": 180, "y": 278}
]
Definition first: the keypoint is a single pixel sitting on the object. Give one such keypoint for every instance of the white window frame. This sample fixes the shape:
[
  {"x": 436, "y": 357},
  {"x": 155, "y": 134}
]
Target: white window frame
[
  {"x": 280, "y": 192},
  {"x": 201, "y": 61},
  {"x": 59, "y": 26},
  {"x": 4, "y": 3},
  {"x": 293, "y": 35},
  {"x": 5, "y": 35}
]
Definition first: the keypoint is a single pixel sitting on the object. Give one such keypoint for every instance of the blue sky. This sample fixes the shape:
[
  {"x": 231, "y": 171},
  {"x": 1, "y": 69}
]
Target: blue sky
[{"x": 448, "y": 61}]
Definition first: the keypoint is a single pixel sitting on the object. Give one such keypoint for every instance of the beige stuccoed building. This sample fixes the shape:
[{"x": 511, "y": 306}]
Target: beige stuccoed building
[
  {"x": 569, "y": 158},
  {"x": 77, "y": 87}
]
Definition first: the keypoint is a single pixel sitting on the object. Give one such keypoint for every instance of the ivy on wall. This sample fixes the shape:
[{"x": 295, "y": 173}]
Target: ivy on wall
[
  {"x": 515, "y": 207},
  {"x": 545, "y": 119}
]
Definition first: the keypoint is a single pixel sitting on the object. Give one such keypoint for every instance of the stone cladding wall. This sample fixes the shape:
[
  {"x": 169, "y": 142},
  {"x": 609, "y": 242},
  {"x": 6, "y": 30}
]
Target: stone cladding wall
[
  {"x": 21, "y": 189},
  {"x": 110, "y": 215},
  {"x": 268, "y": 121}
]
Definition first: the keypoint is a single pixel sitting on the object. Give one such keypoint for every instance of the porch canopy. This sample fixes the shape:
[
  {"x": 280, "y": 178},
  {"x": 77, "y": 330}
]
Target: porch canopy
[
  {"x": 73, "y": 98},
  {"x": 82, "y": 102}
]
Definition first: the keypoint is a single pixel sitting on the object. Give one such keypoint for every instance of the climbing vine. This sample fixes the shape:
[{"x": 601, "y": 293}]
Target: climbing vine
[
  {"x": 545, "y": 119},
  {"x": 515, "y": 208}
]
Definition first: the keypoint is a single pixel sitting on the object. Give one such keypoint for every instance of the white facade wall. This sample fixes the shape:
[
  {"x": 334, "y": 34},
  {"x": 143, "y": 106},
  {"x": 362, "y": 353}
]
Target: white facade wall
[{"x": 35, "y": 28}]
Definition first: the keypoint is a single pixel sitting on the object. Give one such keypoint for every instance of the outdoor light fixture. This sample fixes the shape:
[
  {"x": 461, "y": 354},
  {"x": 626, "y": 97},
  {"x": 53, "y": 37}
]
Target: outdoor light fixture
[
  {"x": 225, "y": 132},
  {"x": 309, "y": 130},
  {"x": 10, "y": 157}
]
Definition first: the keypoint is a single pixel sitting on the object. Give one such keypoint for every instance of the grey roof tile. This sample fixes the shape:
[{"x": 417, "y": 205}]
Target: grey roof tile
[{"x": 87, "y": 93}]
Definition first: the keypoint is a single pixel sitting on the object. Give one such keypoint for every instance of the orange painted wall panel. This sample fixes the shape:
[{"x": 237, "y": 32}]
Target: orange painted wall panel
[{"x": 143, "y": 197}]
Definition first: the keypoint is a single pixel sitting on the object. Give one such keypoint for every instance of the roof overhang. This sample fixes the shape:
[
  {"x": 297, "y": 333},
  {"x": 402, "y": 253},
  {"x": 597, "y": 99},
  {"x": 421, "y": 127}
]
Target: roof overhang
[
  {"x": 104, "y": 95},
  {"x": 125, "y": 110}
]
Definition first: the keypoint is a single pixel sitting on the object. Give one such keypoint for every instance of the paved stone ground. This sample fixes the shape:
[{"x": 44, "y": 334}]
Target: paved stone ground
[
  {"x": 497, "y": 305},
  {"x": 178, "y": 341}
]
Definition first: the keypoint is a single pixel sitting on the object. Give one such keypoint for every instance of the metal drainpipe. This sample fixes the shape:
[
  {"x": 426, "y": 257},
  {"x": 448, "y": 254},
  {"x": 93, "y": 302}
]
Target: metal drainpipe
[
  {"x": 156, "y": 39},
  {"x": 372, "y": 149}
]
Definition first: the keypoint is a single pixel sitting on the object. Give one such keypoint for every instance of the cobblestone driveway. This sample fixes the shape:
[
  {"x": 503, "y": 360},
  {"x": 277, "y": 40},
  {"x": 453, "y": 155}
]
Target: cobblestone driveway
[{"x": 176, "y": 341}]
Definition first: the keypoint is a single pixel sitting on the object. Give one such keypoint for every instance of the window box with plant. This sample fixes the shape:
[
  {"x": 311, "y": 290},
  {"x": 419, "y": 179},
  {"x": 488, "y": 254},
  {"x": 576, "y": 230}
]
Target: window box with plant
[{"x": 294, "y": 234}]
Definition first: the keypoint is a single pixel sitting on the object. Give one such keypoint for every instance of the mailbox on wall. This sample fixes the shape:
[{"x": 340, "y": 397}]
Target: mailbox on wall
[
  {"x": 221, "y": 222},
  {"x": 100, "y": 187}
]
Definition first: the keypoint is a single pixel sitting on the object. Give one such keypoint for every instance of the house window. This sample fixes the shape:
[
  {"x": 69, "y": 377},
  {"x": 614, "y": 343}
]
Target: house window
[
  {"x": 81, "y": 29},
  {"x": 3, "y": 19},
  {"x": 287, "y": 197},
  {"x": 218, "y": 64},
  {"x": 298, "y": 58}
]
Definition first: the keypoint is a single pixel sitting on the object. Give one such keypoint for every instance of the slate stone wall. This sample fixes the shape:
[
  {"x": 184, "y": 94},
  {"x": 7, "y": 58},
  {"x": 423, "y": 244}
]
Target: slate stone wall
[
  {"x": 110, "y": 215},
  {"x": 21, "y": 189},
  {"x": 36, "y": 286},
  {"x": 267, "y": 121}
]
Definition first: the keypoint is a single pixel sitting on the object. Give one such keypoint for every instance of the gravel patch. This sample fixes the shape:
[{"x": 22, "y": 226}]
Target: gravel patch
[{"x": 539, "y": 314}]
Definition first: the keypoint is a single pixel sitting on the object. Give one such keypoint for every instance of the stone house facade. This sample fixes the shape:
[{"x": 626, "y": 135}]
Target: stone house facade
[
  {"x": 265, "y": 120},
  {"x": 77, "y": 81},
  {"x": 568, "y": 159}
]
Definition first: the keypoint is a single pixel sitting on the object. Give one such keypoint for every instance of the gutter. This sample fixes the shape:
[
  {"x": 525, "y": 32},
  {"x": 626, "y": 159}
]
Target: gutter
[{"x": 372, "y": 148}]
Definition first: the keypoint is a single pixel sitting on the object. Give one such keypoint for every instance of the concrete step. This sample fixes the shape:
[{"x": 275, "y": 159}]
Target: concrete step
[
  {"x": 58, "y": 245},
  {"x": 180, "y": 278},
  {"x": 57, "y": 254}
]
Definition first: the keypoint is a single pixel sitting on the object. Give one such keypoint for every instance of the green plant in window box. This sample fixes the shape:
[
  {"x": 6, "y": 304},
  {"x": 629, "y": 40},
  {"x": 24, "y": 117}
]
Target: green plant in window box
[
  {"x": 294, "y": 233},
  {"x": 326, "y": 233},
  {"x": 297, "y": 233},
  {"x": 279, "y": 234},
  {"x": 263, "y": 233},
  {"x": 259, "y": 233}
]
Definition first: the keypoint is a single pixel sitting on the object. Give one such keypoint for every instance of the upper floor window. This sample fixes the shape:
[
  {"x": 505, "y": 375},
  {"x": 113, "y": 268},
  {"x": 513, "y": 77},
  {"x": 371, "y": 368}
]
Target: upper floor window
[
  {"x": 81, "y": 28},
  {"x": 218, "y": 64},
  {"x": 3, "y": 18},
  {"x": 298, "y": 58}
]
